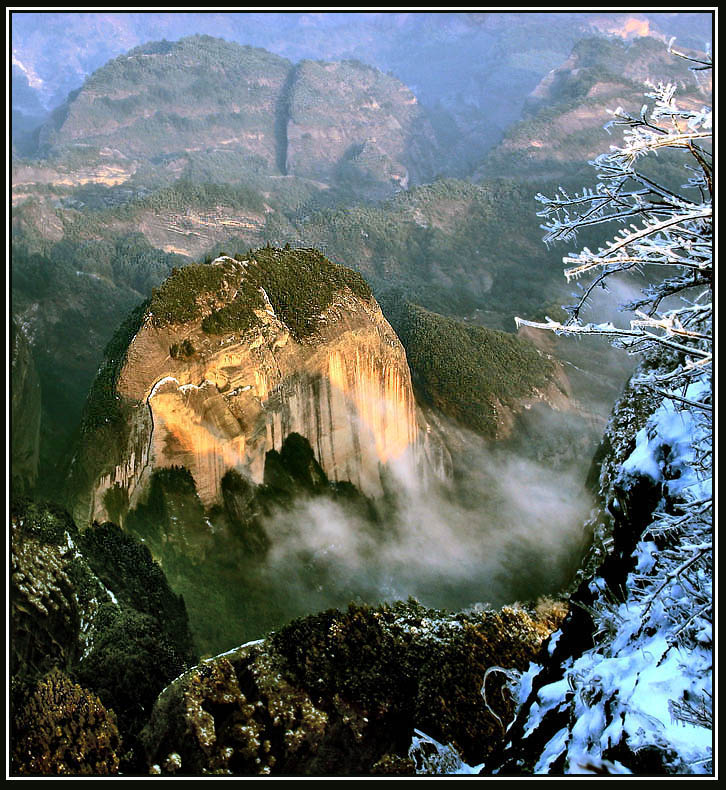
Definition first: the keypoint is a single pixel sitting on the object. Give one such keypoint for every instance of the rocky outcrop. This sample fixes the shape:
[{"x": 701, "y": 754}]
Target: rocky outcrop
[
  {"x": 221, "y": 399},
  {"x": 340, "y": 693},
  {"x": 564, "y": 115},
  {"x": 93, "y": 607},
  {"x": 64, "y": 730}
]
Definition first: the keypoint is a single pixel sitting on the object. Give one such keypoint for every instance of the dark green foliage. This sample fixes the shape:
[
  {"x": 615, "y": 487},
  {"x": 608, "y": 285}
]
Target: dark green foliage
[
  {"x": 129, "y": 664},
  {"x": 452, "y": 246},
  {"x": 176, "y": 480},
  {"x": 64, "y": 730},
  {"x": 178, "y": 299},
  {"x": 217, "y": 558},
  {"x": 172, "y": 494},
  {"x": 141, "y": 643},
  {"x": 242, "y": 508},
  {"x": 43, "y": 521},
  {"x": 238, "y": 315},
  {"x": 107, "y": 590},
  {"x": 185, "y": 194},
  {"x": 465, "y": 370},
  {"x": 295, "y": 467},
  {"x": 301, "y": 284},
  {"x": 127, "y": 567},
  {"x": 116, "y": 502},
  {"x": 103, "y": 406}
]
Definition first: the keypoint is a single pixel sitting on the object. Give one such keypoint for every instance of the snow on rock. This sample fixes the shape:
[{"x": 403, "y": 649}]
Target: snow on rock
[
  {"x": 433, "y": 758},
  {"x": 645, "y": 686}
]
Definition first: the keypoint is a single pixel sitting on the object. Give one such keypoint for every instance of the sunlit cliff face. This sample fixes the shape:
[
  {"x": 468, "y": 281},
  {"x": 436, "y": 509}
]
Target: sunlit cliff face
[
  {"x": 348, "y": 392},
  {"x": 380, "y": 398}
]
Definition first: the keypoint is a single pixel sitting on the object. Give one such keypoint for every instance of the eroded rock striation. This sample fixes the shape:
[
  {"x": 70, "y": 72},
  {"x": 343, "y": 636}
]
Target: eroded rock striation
[{"x": 229, "y": 359}]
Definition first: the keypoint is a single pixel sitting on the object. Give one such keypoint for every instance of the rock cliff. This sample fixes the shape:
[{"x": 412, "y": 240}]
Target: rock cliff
[{"x": 230, "y": 358}]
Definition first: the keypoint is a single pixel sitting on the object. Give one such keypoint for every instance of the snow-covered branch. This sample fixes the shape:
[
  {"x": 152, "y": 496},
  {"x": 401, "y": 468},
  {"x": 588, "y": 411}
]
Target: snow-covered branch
[{"x": 651, "y": 664}]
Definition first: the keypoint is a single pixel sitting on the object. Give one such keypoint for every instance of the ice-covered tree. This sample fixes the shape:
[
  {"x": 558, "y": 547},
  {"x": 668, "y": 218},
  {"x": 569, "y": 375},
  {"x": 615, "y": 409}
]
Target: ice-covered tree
[{"x": 652, "y": 663}]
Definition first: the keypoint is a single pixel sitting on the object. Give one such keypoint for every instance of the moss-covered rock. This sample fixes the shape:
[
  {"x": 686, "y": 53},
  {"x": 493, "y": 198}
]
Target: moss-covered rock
[
  {"x": 64, "y": 729},
  {"x": 340, "y": 693},
  {"x": 297, "y": 284},
  {"x": 96, "y": 607}
]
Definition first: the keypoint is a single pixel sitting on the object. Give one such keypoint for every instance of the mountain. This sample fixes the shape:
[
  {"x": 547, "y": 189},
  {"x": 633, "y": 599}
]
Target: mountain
[
  {"x": 163, "y": 99},
  {"x": 354, "y": 118},
  {"x": 455, "y": 247},
  {"x": 450, "y": 246},
  {"x": 28, "y": 112},
  {"x": 330, "y": 410},
  {"x": 251, "y": 394},
  {"x": 231, "y": 357},
  {"x": 482, "y": 378},
  {"x": 80, "y": 265},
  {"x": 164, "y": 105},
  {"x": 566, "y": 113},
  {"x": 454, "y": 62}
]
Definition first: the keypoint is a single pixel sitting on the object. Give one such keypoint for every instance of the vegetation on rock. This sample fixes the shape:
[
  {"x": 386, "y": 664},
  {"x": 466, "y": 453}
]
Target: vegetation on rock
[
  {"x": 64, "y": 730},
  {"x": 340, "y": 693},
  {"x": 216, "y": 558},
  {"x": 300, "y": 285},
  {"x": 95, "y": 606},
  {"x": 466, "y": 371}
]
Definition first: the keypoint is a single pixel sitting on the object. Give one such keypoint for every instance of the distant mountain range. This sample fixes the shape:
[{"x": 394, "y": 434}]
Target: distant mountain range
[{"x": 456, "y": 61}]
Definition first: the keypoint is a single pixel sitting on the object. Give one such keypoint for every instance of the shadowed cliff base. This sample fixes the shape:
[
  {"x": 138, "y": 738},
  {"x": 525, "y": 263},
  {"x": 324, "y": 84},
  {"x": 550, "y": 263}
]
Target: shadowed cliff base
[{"x": 299, "y": 542}]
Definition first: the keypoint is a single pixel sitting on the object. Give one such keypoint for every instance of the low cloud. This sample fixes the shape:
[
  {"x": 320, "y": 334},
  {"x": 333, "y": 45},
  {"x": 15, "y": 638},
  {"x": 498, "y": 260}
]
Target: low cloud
[{"x": 505, "y": 529}]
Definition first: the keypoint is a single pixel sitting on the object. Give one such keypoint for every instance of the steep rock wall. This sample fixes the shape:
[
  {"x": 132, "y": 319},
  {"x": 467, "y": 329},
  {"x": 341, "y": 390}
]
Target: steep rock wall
[{"x": 347, "y": 389}]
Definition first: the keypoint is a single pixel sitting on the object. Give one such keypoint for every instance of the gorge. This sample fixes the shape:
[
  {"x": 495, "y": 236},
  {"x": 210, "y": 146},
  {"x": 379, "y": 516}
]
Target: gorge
[{"x": 318, "y": 465}]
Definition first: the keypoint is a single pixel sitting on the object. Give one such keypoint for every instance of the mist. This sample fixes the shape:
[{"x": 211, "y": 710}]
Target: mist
[{"x": 504, "y": 529}]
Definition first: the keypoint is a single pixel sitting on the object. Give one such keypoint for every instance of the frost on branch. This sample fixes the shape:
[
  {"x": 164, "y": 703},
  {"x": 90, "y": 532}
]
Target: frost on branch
[
  {"x": 663, "y": 232},
  {"x": 647, "y": 682}
]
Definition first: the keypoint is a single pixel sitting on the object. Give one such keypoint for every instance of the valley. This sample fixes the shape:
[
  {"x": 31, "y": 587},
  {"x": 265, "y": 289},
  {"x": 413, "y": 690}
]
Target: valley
[{"x": 300, "y": 482}]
